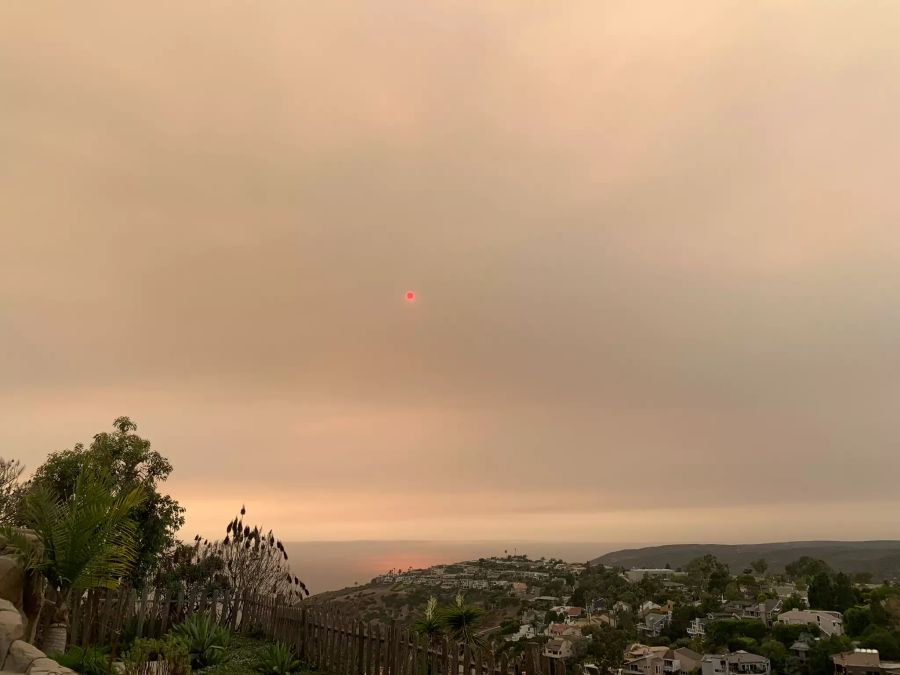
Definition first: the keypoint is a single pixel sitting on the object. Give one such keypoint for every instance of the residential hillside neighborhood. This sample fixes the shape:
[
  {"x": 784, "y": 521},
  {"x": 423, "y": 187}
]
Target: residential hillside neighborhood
[{"x": 702, "y": 617}]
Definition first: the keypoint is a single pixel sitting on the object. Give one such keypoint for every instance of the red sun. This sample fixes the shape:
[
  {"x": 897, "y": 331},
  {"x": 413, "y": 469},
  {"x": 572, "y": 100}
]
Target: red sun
[{"x": 410, "y": 296}]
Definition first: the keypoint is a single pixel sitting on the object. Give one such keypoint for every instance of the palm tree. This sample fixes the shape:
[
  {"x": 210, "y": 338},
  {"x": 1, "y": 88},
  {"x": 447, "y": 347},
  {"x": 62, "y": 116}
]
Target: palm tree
[
  {"x": 86, "y": 541},
  {"x": 461, "y": 620}
]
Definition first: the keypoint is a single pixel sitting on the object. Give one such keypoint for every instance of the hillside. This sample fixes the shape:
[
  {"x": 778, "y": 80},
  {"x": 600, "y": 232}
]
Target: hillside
[
  {"x": 881, "y": 558},
  {"x": 511, "y": 590}
]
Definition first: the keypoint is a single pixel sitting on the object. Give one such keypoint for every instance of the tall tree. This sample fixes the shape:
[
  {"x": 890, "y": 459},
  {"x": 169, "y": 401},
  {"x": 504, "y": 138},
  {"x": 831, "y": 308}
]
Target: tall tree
[
  {"x": 876, "y": 637},
  {"x": 606, "y": 648},
  {"x": 822, "y": 650},
  {"x": 844, "y": 595},
  {"x": 805, "y": 567},
  {"x": 760, "y": 566},
  {"x": 708, "y": 573},
  {"x": 130, "y": 463},
  {"x": 856, "y": 620},
  {"x": 821, "y": 591}
]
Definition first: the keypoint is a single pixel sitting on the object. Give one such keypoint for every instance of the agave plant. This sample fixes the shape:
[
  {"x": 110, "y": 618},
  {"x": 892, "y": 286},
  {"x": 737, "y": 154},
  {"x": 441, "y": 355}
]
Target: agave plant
[
  {"x": 461, "y": 621},
  {"x": 207, "y": 642},
  {"x": 278, "y": 659}
]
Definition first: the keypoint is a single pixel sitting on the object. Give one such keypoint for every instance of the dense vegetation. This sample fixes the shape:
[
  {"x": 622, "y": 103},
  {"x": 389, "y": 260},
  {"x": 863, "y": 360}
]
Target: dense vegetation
[
  {"x": 100, "y": 520},
  {"x": 704, "y": 586}
]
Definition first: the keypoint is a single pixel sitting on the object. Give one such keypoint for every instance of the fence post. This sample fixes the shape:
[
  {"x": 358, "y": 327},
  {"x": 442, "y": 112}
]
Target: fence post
[
  {"x": 402, "y": 648},
  {"x": 371, "y": 648},
  {"x": 303, "y": 647},
  {"x": 414, "y": 666}
]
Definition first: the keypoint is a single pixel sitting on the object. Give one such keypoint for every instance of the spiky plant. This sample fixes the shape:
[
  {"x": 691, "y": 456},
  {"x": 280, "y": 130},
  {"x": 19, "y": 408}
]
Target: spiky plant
[
  {"x": 462, "y": 620},
  {"x": 207, "y": 642},
  {"x": 278, "y": 659},
  {"x": 430, "y": 624}
]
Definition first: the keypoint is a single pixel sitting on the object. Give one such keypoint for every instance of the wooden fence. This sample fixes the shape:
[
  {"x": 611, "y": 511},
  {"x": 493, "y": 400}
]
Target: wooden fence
[{"x": 324, "y": 637}]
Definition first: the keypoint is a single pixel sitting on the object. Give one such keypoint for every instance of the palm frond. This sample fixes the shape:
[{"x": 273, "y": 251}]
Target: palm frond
[{"x": 89, "y": 539}]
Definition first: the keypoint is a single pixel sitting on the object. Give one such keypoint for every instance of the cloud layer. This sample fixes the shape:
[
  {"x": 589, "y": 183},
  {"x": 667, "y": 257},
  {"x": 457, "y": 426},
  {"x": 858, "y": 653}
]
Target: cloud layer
[{"x": 655, "y": 251}]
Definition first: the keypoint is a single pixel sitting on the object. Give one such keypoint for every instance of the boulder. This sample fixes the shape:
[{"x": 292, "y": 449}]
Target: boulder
[
  {"x": 20, "y": 657},
  {"x": 12, "y": 579},
  {"x": 45, "y": 666},
  {"x": 12, "y": 627}
]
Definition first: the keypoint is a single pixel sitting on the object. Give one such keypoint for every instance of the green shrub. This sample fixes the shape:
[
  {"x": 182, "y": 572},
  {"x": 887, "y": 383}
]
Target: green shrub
[
  {"x": 278, "y": 659},
  {"x": 168, "y": 656},
  {"x": 90, "y": 661},
  {"x": 206, "y": 641}
]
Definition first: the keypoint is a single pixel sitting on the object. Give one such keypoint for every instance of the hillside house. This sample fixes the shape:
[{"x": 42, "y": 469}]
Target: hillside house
[
  {"x": 525, "y": 632},
  {"x": 643, "y": 660},
  {"x": 830, "y": 623},
  {"x": 652, "y": 624},
  {"x": 681, "y": 661},
  {"x": 573, "y": 614},
  {"x": 735, "y": 663},
  {"x": 558, "y": 630},
  {"x": 767, "y": 611},
  {"x": 559, "y": 648},
  {"x": 863, "y": 662},
  {"x": 696, "y": 629}
]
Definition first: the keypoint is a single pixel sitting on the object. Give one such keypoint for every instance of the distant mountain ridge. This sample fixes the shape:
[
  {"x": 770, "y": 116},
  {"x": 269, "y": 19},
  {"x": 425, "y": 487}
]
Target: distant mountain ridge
[{"x": 881, "y": 558}]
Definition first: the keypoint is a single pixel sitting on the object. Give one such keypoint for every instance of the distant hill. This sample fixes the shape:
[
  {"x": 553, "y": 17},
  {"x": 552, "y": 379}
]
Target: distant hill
[{"x": 881, "y": 558}]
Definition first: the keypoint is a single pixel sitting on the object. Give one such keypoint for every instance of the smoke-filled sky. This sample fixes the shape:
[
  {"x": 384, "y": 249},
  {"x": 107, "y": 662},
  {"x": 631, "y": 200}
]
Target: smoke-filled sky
[{"x": 655, "y": 247}]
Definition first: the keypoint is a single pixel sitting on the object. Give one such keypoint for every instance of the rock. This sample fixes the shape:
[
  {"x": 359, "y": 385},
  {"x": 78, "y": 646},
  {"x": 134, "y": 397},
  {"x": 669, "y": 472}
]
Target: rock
[
  {"x": 20, "y": 657},
  {"x": 45, "y": 666},
  {"x": 12, "y": 579},
  {"x": 12, "y": 627}
]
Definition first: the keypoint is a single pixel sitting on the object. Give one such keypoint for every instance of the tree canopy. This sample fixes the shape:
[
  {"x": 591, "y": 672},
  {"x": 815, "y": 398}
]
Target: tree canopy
[{"x": 131, "y": 464}]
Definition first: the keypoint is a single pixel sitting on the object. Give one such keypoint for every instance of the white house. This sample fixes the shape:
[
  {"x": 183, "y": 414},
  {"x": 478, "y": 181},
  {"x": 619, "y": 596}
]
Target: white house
[
  {"x": 526, "y": 632},
  {"x": 736, "y": 663},
  {"x": 830, "y": 623}
]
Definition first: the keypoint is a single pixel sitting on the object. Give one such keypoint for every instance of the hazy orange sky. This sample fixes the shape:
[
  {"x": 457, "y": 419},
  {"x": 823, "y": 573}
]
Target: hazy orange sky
[{"x": 655, "y": 246}]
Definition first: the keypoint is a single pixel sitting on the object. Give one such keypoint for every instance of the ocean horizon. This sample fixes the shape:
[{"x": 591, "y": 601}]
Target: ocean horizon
[{"x": 332, "y": 565}]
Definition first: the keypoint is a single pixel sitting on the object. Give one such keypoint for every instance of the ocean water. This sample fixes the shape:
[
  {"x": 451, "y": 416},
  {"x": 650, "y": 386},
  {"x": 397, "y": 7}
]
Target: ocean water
[{"x": 332, "y": 565}]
